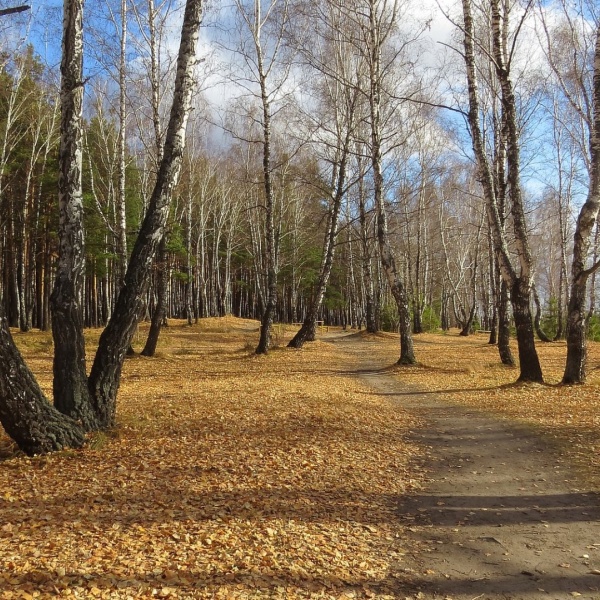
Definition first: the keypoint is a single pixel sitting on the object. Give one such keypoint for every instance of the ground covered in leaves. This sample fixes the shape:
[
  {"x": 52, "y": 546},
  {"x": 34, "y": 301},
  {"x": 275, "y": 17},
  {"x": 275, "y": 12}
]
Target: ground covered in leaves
[
  {"x": 237, "y": 476},
  {"x": 229, "y": 476}
]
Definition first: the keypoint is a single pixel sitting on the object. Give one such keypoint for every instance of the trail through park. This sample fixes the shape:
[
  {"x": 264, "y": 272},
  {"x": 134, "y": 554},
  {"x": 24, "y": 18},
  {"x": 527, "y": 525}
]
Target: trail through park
[{"x": 501, "y": 515}]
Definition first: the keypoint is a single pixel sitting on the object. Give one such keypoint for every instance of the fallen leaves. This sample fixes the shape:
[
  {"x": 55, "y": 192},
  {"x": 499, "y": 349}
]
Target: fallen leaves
[{"x": 229, "y": 476}]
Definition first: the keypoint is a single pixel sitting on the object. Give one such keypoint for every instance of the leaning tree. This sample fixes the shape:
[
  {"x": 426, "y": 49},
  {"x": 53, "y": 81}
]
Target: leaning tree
[{"x": 34, "y": 424}]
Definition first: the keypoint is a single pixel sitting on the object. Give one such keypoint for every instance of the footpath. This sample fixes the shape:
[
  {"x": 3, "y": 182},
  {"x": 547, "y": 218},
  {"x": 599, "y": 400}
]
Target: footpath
[{"x": 501, "y": 515}]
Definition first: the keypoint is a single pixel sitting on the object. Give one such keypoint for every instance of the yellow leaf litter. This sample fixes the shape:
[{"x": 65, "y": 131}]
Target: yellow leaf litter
[{"x": 229, "y": 475}]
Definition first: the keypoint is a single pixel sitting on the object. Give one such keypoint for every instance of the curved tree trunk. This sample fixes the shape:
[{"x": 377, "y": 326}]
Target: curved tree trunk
[
  {"x": 308, "y": 329},
  {"x": 28, "y": 418},
  {"x": 467, "y": 327},
  {"x": 105, "y": 376},
  {"x": 576, "y": 317}
]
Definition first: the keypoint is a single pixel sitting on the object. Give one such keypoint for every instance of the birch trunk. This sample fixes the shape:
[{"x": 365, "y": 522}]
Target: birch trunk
[
  {"x": 121, "y": 225},
  {"x": 71, "y": 394},
  {"x": 268, "y": 315},
  {"x": 160, "y": 308},
  {"x": 367, "y": 270},
  {"x": 28, "y": 418},
  {"x": 388, "y": 260},
  {"x": 519, "y": 282},
  {"x": 308, "y": 330},
  {"x": 577, "y": 316},
  {"x": 521, "y": 287},
  {"x": 115, "y": 340}
]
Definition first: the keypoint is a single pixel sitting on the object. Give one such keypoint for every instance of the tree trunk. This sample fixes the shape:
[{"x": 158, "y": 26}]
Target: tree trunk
[
  {"x": 266, "y": 324},
  {"x": 493, "y": 339},
  {"x": 506, "y": 357},
  {"x": 576, "y": 337},
  {"x": 467, "y": 327},
  {"x": 529, "y": 364},
  {"x": 518, "y": 281},
  {"x": 367, "y": 271},
  {"x": 521, "y": 285},
  {"x": 71, "y": 395},
  {"x": 388, "y": 262},
  {"x": 160, "y": 309},
  {"x": 266, "y": 321},
  {"x": 28, "y": 418},
  {"x": 576, "y": 317},
  {"x": 537, "y": 320},
  {"x": 308, "y": 329},
  {"x": 105, "y": 376}
]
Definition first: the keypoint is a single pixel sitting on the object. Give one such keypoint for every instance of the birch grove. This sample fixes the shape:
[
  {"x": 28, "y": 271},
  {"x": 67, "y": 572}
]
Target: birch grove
[{"x": 343, "y": 168}]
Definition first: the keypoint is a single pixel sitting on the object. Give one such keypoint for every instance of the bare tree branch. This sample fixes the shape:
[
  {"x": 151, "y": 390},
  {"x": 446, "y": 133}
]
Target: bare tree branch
[{"x": 13, "y": 10}]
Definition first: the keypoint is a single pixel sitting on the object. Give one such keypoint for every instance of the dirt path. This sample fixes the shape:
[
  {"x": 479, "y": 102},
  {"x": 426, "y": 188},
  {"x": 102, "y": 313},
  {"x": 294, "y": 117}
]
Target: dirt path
[{"x": 501, "y": 514}]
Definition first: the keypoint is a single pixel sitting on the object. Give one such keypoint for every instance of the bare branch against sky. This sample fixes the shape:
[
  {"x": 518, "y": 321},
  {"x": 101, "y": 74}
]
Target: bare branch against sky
[{"x": 13, "y": 10}]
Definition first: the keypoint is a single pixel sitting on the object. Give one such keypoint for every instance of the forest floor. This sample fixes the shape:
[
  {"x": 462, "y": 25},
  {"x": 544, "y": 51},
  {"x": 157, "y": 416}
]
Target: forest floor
[{"x": 321, "y": 473}]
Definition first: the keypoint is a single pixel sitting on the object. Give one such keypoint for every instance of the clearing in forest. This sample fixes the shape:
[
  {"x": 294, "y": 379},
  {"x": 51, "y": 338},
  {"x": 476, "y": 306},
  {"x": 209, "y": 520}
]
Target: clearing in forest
[{"x": 237, "y": 476}]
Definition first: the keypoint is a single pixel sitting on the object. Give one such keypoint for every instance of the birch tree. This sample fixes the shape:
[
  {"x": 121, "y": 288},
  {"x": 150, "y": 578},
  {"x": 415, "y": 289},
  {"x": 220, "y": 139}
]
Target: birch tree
[
  {"x": 115, "y": 340},
  {"x": 261, "y": 26},
  {"x": 71, "y": 395},
  {"x": 517, "y": 277},
  {"x": 376, "y": 20},
  {"x": 26, "y": 415},
  {"x": 333, "y": 59},
  {"x": 578, "y": 80}
]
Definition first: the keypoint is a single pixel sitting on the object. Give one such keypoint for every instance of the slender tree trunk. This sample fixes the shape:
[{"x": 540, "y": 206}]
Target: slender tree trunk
[
  {"x": 121, "y": 228},
  {"x": 596, "y": 255},
  {"x": 270, "y": 244},
  {"x": 190, "y": 312},
  {"x": 577, "y": 316},
  {"x": 105, "y": 376},
  {"x": 388, "y": 261},
  {"x": 160, "y": 309},
  {"x": 308, "y": 329},
  {"x": 493, "y": 339},
  {"x": 161, "y": 287},
  {"x": 537, "y": 320},
  {"x": 504, "y": 350},
  {"x": 520, "y": 284},
  {"x": 367, "y": 271},
  {"x": 495, "y": 283}
]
